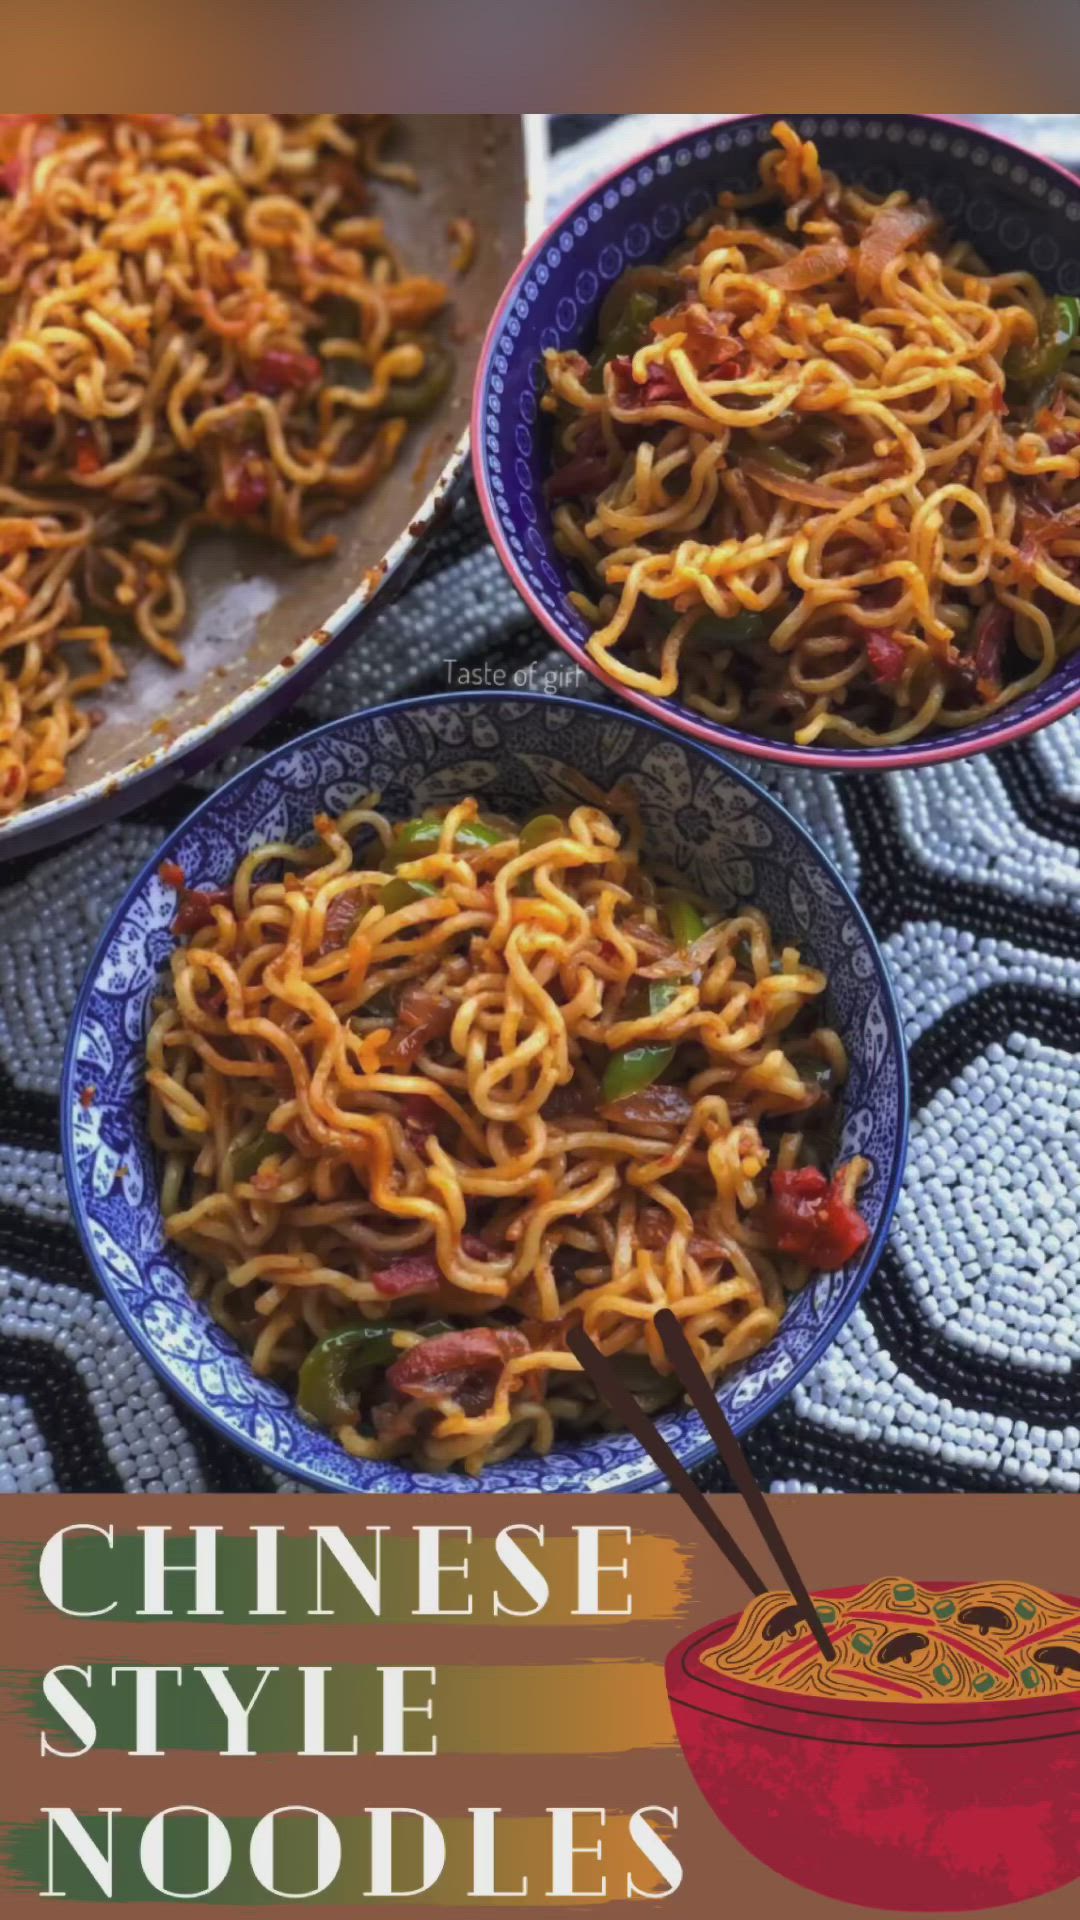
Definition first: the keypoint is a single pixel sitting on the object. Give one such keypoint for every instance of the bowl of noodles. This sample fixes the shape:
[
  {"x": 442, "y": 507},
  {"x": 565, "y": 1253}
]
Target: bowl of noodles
[
  {"x": 777, "y": 431},
  {"x": 933, "y": 1765},
  {"x": 236, "y": 355},
  {"x": 455, "y": 1026}
]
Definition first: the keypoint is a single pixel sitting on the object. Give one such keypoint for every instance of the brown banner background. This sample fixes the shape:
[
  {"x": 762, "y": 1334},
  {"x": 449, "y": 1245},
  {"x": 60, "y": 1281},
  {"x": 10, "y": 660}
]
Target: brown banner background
[{"x": 837, "y": 1541}]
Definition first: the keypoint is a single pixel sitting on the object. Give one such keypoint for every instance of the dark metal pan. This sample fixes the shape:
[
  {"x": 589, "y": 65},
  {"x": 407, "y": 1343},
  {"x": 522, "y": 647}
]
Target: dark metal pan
[{"x": 262, "y": 624}]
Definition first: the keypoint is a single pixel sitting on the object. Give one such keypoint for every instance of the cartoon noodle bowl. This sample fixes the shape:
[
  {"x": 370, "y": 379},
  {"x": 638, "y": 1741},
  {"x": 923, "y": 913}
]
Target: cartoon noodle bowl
[
  {"x": 912, "y": 1746},
  {"x": 933, "y": 1765}
]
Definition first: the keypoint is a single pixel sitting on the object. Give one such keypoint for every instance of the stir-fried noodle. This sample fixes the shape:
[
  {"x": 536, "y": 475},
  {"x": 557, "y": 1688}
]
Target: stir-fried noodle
[
  {"x": 896, "y": 1641},
  {"x": 428, "y": 1096},
  {"x": 823, "y": 468},
  {"x": 202, "y": 322}
]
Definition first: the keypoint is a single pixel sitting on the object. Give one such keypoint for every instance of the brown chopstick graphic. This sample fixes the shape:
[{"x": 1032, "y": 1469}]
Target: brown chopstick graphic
[
  {"x": 622, "y": 1402},
  {"x": 696, "y": 1386},
  {"x": 703, "y": 1398}
]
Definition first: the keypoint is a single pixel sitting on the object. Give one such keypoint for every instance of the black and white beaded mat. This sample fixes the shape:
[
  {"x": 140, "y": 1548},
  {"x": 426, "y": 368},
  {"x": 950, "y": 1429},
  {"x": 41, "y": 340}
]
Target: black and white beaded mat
[{"x": 960, "y": 1369}]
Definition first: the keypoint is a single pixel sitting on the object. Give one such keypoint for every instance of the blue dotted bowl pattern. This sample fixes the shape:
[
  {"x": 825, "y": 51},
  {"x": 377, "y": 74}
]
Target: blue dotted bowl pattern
[
  {"x": 1020, "y": 212},
  {"x": 733, "y": 842}
]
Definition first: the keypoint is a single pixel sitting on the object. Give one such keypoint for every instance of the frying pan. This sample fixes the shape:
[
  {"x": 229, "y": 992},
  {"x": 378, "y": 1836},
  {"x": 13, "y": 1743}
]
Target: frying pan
[{"x": 260, "y": 623}]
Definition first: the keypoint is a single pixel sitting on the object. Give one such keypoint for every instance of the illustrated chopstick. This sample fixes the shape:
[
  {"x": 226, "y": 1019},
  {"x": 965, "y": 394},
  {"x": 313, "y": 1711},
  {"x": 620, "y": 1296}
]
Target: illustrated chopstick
[
  {"x": 702, "y": 1397},
  {"x": 622, "y": 1402}
]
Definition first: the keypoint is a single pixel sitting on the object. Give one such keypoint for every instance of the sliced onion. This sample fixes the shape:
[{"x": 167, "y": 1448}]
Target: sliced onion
[
  {"x": 649, "y": 941},
  {"x": 655, "y": 1106},
  {"x": 809, "y": 493},
  {"x": 809, "y": 267},
  {"x": 684, "y": 960},
  {"x": 892, "y": 230},
  {"x": 1043, "y": 524}
]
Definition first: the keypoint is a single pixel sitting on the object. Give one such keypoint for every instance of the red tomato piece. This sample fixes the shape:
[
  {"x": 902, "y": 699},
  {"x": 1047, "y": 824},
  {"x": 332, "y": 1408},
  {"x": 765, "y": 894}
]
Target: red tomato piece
[{"x": 813, "y": 1221}]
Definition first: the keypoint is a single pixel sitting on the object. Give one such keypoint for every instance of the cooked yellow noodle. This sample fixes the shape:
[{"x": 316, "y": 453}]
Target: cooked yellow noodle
[
  {"x": 202, "y": 321},
  {"x": 896, "y": 1640},
  {"x": 843, "y": 460},
  {"x": 492, "y": 1154}
]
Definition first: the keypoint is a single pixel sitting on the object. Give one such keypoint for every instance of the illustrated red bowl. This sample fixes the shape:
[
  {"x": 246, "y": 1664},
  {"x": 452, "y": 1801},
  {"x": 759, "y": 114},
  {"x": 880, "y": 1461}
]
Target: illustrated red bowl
[{"x": 923, "y": 1809}]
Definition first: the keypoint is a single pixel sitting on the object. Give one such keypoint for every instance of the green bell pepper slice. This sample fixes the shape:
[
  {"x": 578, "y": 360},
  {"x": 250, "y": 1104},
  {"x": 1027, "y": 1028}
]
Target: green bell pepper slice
[
  {"x": 399, "y": 893},
  {"x": 539, "y": 830},
  {"x": 629, "y": 330},
  {"x": 650, "y": 1389},
  {"x": 335, "y": 1366},
  {"x": 623, "y": 338},
  {"x": 781, "y": 461},
  {"x": 633, "y": 1068},
  {"x": 247, "y": 1159},
  {"x": 737, "y": 631},
  {"x": 662, "y": 283},
  {"x": 418, "y": 837},
  {"x": 413, "y": 399},
  {"x": 616, "y": 301},
  {"x": 1031, "y": 373},
  {"x": 684, "y": 920}
]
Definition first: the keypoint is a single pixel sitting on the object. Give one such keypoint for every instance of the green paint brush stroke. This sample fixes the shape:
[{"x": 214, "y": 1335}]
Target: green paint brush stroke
[
  {"x": 602, "y": 1706},
  {"x": 523, "y": 1847}
]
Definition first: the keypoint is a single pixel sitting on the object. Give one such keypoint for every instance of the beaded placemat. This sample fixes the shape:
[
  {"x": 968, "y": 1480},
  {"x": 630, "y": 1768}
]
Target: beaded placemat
[{"x": 960, "y": 1370}]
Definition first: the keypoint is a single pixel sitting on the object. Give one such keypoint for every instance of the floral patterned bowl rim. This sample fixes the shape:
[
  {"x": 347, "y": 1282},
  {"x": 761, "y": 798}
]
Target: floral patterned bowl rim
[
  {"x": 1035, "y": 711},
  {"x": 260, "y": 1417}
]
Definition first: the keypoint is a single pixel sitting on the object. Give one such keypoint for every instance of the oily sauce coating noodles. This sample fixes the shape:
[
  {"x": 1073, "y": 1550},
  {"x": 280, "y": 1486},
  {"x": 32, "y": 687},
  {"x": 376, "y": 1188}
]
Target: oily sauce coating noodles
[
  {"x": 429, "y": 1095},
  {"x": 202, "y": 322},
  {"x": 823, "y": 468},
  {"x": 896, "y": 1640}
]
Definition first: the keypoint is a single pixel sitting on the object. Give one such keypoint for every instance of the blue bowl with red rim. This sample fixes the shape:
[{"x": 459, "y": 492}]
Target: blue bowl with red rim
[{"x": 1021, "y": 211}]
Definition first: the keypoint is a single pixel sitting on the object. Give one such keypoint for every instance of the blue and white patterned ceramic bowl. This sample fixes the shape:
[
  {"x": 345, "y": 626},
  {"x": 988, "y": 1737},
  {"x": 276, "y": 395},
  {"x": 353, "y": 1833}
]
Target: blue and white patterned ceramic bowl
[
  {"x": 1021, "y": 211},
  {"x": 521, "y": 753}
]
